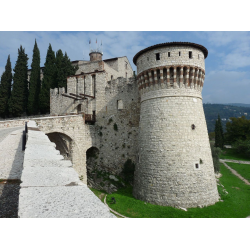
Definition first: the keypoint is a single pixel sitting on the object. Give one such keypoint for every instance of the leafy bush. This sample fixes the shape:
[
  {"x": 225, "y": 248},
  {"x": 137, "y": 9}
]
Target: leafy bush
[
  {"x": 242, "y": 146},
  {"x": 216, "y": 160},
  {"x": 238, "y": 129}
]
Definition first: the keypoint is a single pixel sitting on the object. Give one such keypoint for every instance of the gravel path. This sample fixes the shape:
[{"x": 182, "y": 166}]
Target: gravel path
[
  {"x": 11, "y": 164},
  {"x": 234, "y": 172},
  {"x": 235, "y": 161}
]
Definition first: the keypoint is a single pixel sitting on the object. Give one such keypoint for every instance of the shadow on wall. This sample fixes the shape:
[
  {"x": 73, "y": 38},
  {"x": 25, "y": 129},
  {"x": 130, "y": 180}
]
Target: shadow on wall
[{"x": 63, "y": 144}]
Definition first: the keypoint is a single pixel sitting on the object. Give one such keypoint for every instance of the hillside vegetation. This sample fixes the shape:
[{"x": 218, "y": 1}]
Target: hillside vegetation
[{"x": 225, "y": 111}]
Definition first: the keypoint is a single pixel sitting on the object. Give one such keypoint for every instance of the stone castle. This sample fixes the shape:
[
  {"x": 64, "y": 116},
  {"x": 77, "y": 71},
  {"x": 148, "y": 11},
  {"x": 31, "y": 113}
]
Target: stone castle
[{"x": 155, "y": 120}]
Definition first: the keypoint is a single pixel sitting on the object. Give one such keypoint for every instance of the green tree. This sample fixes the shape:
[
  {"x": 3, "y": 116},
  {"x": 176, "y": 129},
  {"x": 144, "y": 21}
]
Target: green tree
[
  {"x": 242, "y": 147},
  {"x": 35, "y": 82},
  {"x": 219, "y": 135},
  {"x": 216, "y": 160},
  {"x": 48, "y": 81},
  {"x": 64, "y": 68},
  {"x": 211, "y": 136},
  {"x": 19, "y": 94},
  {"x": 60, "y": 71},
  {"x": 238, "y": 129},
  {"x": 68, "y": 68},
  {"x": 5, "y": 88}
]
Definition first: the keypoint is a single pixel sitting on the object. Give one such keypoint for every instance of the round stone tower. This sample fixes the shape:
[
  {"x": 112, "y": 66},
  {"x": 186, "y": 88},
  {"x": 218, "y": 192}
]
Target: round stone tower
[
  {"x": 95, "y": 55},
  {"x": 175, "y": 166}
]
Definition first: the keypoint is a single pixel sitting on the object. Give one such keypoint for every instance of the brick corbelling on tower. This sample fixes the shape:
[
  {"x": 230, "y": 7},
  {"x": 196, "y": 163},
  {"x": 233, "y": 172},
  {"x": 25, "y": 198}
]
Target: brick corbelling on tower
[
  {"x": 168, "y": 67},
  {"x": 146, "y": 79}
]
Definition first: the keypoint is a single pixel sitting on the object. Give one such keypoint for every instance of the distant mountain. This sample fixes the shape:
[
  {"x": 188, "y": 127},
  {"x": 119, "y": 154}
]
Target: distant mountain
[
  {"x": 238, "y": 104},
  {"x": 225, "y": 111}
]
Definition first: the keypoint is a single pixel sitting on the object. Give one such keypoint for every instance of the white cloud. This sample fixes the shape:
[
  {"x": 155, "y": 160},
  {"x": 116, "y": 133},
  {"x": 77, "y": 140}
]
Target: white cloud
[
  {"x": 231, "y": 48},
  {"x": 76, "y": 44},
  {"x": 226, "y": 87}
]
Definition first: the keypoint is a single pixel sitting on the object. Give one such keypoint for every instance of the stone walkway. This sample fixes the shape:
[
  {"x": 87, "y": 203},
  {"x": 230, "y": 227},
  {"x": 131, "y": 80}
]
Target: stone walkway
[
  {"x": 11, "y": 165},
  {"x": 11, "y": 154},
  {"x": 50, "y": 186}
]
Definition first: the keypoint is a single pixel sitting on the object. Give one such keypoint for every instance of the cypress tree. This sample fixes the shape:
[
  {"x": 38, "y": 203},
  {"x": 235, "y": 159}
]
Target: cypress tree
[
  {"x": 5, "y": 88},
  {"x": 221, "y": 131},
  {"x": 35, "y": 83},
  {"x": 68, "y": 69},
  {"x": 19, "y": 94},
  {"x": 60, "y": 71},
  {"x": 48, "y": 81},
  {"x": 64, "y": 69},
  {"x": 219, "y": 137}
]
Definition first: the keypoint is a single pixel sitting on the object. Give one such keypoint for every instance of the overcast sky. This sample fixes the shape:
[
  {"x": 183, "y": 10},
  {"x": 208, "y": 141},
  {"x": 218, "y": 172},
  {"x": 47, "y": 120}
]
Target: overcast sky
[{"x": 227, "y": 65}]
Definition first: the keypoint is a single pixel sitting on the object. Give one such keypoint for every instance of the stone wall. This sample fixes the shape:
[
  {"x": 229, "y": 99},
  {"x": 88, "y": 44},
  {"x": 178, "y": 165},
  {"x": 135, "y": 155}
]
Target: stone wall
[
  {"x": 12, "y": 123},
  {"x": 148, "y": 59},
  {"x": 113, "y": 63},
  {"x": 175, "y": 166},
  {"x": 116, "y": 130},
  {"x": 74, "y": 128},
  {"x": 87, "y": 67}
]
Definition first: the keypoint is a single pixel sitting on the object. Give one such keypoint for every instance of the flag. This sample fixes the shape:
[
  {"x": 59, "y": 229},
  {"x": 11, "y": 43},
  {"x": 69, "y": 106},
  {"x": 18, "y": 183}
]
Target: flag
[
  {"x": 96, "y": 41},
  {"x": 101, "y": 42},
  {"x": 89, "y": 41}
]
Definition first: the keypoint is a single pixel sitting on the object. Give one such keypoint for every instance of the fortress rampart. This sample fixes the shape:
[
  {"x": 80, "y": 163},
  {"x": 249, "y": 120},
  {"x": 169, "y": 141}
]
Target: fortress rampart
[{"x": 155, "y": 120}]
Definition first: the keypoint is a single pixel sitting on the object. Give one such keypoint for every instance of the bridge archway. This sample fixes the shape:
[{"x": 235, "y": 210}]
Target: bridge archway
[{"x": 63, "y": 144}]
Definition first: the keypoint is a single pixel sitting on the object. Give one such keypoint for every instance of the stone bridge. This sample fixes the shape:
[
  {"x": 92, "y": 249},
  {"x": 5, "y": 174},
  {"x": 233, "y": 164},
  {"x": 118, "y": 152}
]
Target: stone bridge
[{"x": 72, "y": 138}]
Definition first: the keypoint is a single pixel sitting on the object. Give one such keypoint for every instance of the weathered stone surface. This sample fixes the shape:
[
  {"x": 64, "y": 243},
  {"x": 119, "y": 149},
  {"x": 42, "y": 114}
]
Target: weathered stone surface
[
  {"x": 54, "y": 191},
  {"x": 49, "y": 176},
  {"x": 175, "y": 165},
  {"x": 61, "y": 202},
  {"x": 11, "y": 155}
]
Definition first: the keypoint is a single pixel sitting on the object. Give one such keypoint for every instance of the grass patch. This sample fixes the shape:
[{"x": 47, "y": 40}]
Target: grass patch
[
  {"x": 99, "y": 193},
  {"x": 236, "y": 204},
  {"x": 230, "y": 153},
  {"x": 242, "y": 169}
]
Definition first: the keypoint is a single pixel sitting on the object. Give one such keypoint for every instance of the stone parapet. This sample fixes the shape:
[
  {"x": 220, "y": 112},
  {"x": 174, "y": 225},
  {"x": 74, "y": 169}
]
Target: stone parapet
[{"x": 50, "y": 186}]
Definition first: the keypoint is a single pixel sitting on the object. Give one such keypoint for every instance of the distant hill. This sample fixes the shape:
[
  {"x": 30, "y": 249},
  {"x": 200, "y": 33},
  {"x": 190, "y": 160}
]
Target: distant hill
[
  {"x": 225, "y": 111},
  {"x": 238, "y": 104}
]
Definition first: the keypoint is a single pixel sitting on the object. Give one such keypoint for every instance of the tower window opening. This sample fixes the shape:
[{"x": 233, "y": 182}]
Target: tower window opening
[
  {"x": 119, "y": 104},
  {"x": 198, "y": 56},
  {"x": 168, "y": 54},
  {"x": 197, "y": 166},
  {"x": 190, "y": 54},
  {"x": 179, "y": 53},
  {"x": 157, "y": 56},
  {"x": 111, "y": 77},
  {"x": 126, "y": 66},
  {"x": 126, "y": 75}
]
